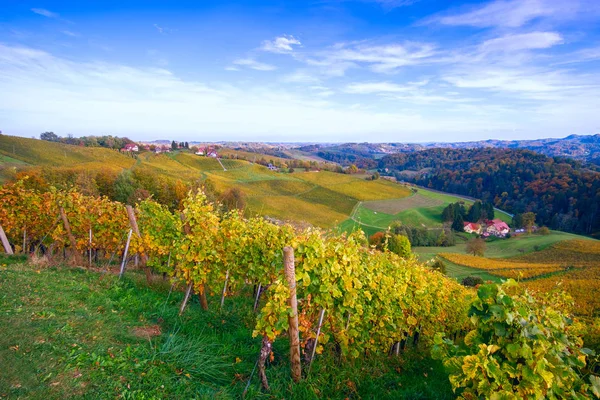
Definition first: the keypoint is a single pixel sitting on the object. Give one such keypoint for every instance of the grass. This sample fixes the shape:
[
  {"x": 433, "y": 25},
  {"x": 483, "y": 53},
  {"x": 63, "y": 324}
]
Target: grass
[
  {"x": 79, "y": 334},
  {"x": 38, "y": 152}
]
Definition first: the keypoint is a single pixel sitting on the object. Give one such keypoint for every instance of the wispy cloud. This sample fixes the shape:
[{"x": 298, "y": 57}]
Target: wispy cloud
[
  {"x": 386, "y": 58},
  {"x": 45, "y": 13},
  {"x": 521, "y": 41},
  {"x": 375, "y": 87},
  {"x": 70, "y": 33},
  {"x": 505, "y": 13},
  {"x": 253, "y": 64},
  {"x": 281, "y": 44}
]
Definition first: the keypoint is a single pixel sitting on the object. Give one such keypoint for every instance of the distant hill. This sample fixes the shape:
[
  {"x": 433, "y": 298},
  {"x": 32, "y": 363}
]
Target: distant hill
[
  {"x": 579, "y": 147},
  {"x": 563, "y": 193}
]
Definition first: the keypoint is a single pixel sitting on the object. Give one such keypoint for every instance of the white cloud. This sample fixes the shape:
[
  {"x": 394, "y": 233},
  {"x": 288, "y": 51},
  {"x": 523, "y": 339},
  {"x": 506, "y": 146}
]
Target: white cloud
[
  {"x": 375, "y": 87},
  {"x": 521, "y": 41},
  {"x": 301, "y": 76},
  {"x": 282, "y": 44},
  {"x": 386, "y": 58},
  {"x": 69, "y": 33},
  {"x": 94, "y": 98},
  {"x": 253, "y": 64},
  {"x": 506, "y": 13},
  {"x": 45, "y": 13}
]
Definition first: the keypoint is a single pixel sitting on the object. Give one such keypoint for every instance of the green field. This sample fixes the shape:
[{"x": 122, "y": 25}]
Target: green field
[
  {"x": 422, "y": 208},
  {"x": 71, "y": 333}
]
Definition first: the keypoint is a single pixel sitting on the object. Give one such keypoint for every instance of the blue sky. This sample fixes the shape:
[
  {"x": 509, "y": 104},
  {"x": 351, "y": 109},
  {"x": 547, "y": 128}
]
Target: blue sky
[{"x": 322, "y": 70}]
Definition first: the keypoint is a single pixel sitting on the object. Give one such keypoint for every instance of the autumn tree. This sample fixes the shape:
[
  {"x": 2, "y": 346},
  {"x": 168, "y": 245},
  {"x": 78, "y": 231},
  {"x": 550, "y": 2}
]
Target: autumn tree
[{"x": 476, "y": 247}]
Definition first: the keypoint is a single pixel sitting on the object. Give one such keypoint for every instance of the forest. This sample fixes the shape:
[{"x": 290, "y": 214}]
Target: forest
[{"x": 563, "y": 193}]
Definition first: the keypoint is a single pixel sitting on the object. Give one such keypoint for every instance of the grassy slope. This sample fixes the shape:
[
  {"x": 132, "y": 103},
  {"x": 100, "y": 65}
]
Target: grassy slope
[
  {"x": 421, "y": 209},
  {"x": 71, "y": 333}
]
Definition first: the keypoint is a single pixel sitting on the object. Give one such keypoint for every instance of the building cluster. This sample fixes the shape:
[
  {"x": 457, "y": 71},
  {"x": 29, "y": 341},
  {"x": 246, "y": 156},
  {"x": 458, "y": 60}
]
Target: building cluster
[
  {"x": 494, "y": 227},
  {"x": 207, "y": 152}
]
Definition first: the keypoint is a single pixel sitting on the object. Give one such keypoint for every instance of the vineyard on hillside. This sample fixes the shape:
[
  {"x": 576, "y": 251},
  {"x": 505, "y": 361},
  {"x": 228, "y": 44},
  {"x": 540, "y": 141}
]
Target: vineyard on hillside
[
  {"x": 344, "y": 288},
  {"x": 572, "y": 265},
  {"x": 323, "y": 291}
]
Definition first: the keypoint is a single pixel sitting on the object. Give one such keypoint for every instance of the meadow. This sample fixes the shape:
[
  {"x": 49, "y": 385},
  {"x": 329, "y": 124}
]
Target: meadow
[{"x": 80, "y": 334}]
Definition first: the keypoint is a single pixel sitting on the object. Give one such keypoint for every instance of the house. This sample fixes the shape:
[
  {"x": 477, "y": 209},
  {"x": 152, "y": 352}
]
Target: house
[
  {"x": 472, "y": 227},
  {"x": 131, "y": 147},
  {"x": 272, "y": 167},
  {"x": 201, "y": 151},
  {"x": 212, "y": 153},
  {"x": 497, "y": 227}
]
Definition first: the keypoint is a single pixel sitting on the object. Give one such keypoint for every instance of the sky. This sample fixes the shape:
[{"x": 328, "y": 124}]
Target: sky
[{"x": 301, "y": 71}]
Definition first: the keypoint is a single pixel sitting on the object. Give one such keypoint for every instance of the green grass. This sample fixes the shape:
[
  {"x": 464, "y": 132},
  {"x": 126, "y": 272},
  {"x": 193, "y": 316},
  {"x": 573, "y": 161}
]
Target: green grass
[{"x": 73, "y": 333}]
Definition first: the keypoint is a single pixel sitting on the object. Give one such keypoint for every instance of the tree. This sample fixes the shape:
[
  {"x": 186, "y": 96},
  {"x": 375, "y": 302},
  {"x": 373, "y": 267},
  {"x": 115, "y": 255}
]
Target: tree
[
  {"x": 173, "y": 145},
  {"x": 458, "y": 224},
  {"x": 528, "y": 220},
  {"x": 400, "y": 245},
  {"x": 475, "y": 212},
  {"x": 543, "y": 231},
  {"x": 352, "y": 169},
  {"x": 378, "y": 240},
  {"x": 49, "y": 136},
  {"x": 472, "y": 281},
  {"x": 476, "y": 247}
]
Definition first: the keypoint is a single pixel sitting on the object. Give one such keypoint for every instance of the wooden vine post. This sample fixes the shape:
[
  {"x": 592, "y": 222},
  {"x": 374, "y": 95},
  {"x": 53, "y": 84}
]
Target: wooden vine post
[
  {"x": 290, "y": 276},
  {"x": 136, "y": 230},
  {"x": 124, "y": 261},
  {"x": 5, "y": 243},
  {"x": 76, "y": 255}
]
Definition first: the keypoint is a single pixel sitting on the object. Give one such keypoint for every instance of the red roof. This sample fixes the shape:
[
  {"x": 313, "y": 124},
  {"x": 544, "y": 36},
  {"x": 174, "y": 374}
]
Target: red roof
[
  {"x": 472, "y": 225},
  {"x": 498, "y": 224}
]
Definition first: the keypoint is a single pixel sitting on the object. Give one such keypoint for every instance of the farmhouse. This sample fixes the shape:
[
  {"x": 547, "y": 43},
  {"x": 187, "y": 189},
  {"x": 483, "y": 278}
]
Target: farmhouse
[
  {"x": 496, "y": 227},
  {"x": 131, "y": 147},
  {"x": 472, "y": 227}
]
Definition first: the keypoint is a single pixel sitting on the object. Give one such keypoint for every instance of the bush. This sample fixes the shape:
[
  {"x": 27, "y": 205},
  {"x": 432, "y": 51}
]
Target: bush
[
  {"x": 378, "y": 240},
  {"x": 472, "y": 281},
  {"x": 518, "y": 348},
  {"x": 543, "y": 231},
  {"x": 400, "y": 245}
]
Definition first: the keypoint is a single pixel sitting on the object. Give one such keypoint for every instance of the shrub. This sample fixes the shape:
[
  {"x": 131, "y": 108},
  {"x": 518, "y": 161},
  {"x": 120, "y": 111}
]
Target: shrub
[
  {"x": 472, "y": 281},
  {"x": 378, "y": 240},
  {"x": 400, "y": 245},
  {"x": 543, "y": 231},
  {"x": 518, "y": 348}
]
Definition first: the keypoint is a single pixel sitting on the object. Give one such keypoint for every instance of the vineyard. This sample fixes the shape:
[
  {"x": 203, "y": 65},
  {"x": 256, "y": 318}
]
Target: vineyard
[
  {"x": 572, "y": 265},
  {"x": 343, "y": 287}
]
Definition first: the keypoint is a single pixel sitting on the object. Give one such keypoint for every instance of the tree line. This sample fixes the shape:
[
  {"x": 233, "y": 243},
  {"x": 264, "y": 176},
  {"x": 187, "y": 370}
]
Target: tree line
[{"x": 563, "y": 193}]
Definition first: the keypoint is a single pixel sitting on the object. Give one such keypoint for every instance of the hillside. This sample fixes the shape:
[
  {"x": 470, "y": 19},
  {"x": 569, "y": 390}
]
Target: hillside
[
  {"x": 319, "y": 198},
  {"x": 585, "y": 148},
  {"x": 563, "y": 194}
]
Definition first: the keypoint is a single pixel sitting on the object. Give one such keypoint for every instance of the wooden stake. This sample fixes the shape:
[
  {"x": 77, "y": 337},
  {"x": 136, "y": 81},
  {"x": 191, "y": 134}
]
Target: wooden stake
[
  {"x": 72, "y": 240},
  {"x": 188, "y": 292},
  {"x": 265, "y": 351},
  {"x": 290, "y": 276},
  {"x": 316, "y": 340},
  {"x": 202, "y": 298},
  {"x": 5, "y": 242},
  {"x": 90, "y": 249},
  {"x": 224, "y": 290},
  {"x": 136, "y": 230},
  {"x": 257, "y": 296},
  {"x": 24, "y": 250},
  {"x": 125, "y": 254}
]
